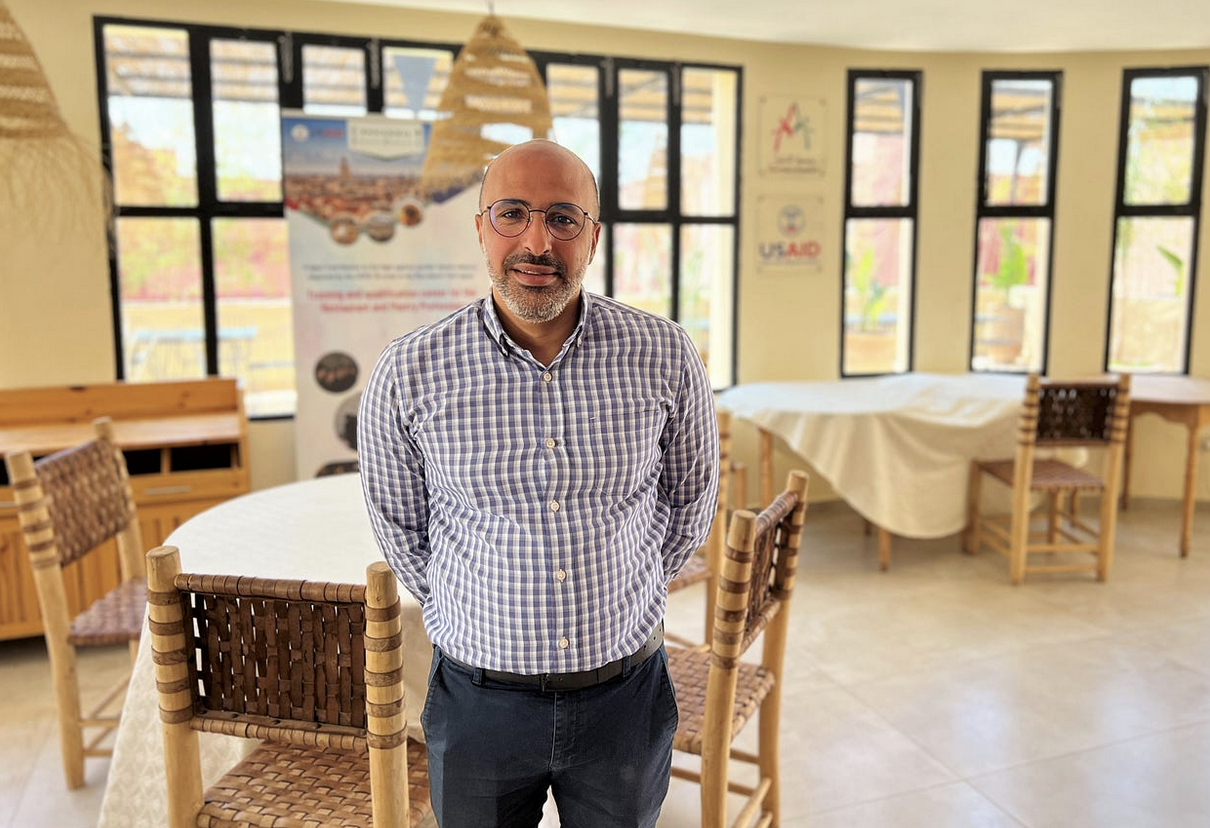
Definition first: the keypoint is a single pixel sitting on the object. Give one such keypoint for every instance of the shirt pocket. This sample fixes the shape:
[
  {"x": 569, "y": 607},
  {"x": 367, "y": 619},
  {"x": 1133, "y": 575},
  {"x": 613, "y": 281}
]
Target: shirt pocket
[{"x": 626, "y": 446}]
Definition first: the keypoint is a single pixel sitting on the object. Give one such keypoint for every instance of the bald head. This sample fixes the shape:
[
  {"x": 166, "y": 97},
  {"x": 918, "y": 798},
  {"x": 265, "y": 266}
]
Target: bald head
[{"x": 539, "y": 159}]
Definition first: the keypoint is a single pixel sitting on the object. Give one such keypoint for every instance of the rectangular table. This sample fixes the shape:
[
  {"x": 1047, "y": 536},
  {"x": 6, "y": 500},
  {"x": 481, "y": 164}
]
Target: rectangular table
[{"x": 1181, "y": 400}]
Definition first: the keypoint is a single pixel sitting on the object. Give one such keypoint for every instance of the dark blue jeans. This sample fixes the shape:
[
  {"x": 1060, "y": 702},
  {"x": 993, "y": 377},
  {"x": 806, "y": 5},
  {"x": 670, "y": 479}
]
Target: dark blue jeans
[{"x": 496, "y": 748}]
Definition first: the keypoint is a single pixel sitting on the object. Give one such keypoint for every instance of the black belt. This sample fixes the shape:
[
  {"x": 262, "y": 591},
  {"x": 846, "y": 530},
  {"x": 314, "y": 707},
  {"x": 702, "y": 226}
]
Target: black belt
[{"x": 553, "y": 682}]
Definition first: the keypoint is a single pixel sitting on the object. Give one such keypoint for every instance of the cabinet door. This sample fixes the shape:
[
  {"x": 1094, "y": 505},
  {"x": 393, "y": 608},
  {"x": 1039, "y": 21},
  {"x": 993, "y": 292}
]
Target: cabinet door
[{"x": 84, "y": 581}]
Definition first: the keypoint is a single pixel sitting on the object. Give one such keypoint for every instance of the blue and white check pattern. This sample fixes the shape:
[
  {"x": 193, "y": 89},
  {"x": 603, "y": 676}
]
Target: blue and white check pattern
[{"x": 536, "y": 512}]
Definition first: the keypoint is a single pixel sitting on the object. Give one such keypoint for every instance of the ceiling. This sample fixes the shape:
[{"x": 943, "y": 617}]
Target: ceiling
[{"x": 914, "y": 25}]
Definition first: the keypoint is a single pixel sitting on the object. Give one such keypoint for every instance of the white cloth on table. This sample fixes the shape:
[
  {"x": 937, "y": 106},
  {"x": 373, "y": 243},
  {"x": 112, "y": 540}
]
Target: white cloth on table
[{"x": 897, "y": 448}]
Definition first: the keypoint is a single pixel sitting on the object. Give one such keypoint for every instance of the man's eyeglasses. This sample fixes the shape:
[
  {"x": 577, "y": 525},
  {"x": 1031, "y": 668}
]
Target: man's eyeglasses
[{"x": 510, "y": 218}]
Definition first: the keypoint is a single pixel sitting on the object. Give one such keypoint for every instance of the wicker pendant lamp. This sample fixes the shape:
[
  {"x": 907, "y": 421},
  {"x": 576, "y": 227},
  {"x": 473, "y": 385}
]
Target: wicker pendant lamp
[
  {"x": 492, "y": 83},
  {"x": 48, "y": 174}
]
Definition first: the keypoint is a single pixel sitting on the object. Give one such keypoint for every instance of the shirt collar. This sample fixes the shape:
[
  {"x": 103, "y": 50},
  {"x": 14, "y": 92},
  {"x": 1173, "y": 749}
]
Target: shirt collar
[{"x": 505, "y": 344}]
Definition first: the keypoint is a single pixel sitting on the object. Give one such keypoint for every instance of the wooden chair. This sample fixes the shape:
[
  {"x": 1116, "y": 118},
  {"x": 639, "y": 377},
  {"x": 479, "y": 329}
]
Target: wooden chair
[
  {"x": 1090, "y": 414},
  {"x": 717, "y": 693},
  {"x": 68, "y": 505},
  {"x": 314, "y": 669},
  {"x": 705, "y": 564}
]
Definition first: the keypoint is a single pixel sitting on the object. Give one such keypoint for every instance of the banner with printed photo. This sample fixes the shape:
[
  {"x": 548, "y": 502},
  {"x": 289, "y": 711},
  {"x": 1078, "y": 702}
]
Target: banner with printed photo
[
  {"x": 792, "y": 135},
  {"x": 372, "y": 256},
  {"x": 789, "y": 232}
]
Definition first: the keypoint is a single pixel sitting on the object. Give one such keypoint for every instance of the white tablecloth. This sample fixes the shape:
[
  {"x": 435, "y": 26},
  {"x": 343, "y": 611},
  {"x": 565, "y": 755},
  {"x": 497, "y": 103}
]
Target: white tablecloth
[
  {"x": 896, "y": 448},
  {"x": 315, "y": 530}
]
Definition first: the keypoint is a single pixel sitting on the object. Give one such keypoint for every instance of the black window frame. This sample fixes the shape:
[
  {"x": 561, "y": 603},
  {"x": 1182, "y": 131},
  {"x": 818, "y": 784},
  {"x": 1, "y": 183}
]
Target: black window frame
[
  {"x": 983, "y": 210},
  {"x": 289, "y": 48},
  {"x": 1190, "y": 209},
  {"x": 908, "y": 211}
]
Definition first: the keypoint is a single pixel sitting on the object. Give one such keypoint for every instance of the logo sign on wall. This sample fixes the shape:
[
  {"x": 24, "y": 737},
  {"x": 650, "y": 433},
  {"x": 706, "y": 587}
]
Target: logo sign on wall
[
  {"x": 789, "y": 232},
  {"x": 792, "y": 134}
]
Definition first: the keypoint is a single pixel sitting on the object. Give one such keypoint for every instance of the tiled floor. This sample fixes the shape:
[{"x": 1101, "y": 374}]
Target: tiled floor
[{"x": 931, "y": 695}]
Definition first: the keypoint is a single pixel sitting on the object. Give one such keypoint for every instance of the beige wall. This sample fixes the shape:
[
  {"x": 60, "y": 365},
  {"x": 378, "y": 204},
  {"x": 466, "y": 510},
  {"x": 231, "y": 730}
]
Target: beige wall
[{"x": 71, "y": 277}]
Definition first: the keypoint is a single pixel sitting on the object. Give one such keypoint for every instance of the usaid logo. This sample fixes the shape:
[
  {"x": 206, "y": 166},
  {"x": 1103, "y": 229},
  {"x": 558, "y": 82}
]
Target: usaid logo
[{"x": 790, "y": 249}]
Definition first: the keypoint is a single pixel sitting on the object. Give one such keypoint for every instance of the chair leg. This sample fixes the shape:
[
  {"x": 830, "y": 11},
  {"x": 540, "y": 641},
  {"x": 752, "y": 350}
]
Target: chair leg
[
  {"x": 1106, "y": 534},
  {"x": 714, "y": 789},
  {"x": 1019, "y": 539},
  {"x": 67, "y": 703},
  {"x": 1052, "y": 516},
  {"x": 770, "y": 715},
  {"x": 970, "y": 535}
]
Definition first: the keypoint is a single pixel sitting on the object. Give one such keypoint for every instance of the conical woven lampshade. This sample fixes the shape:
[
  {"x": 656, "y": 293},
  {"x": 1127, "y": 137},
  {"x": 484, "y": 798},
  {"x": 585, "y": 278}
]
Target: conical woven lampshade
[
  {"x": 493, "y": 81},
  {"x": 27, "y": 106},
  {"x": 49, "y": 178}
]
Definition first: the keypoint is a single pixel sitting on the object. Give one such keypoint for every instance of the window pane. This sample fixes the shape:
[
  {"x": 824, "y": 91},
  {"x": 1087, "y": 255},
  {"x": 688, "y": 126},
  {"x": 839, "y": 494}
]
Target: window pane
[
  {"x": 1150, "y": 323},
  {"x": 594, "y": 276},
  {"x": 255, "y": 325},
  {"x": 642, "y": 140},
  {"x": 1018, "y": 144},
  {"x": 1160, "y": 142},
  {"x": 575, "y": 108},
  {"x": 643, "y": 266},
  {"x": 415, "y": 79},
  {"x": 334, "y": 80},
  {"x": 1010, "y": 294},
  {"x": 160, "y": 283},
  {"x": 247, "y": 120},
  {"x": 707, "y": 280},
  {"x": 151, "y": 116},
  {"x": 878, "y": 290},
  {"x": 708, "y": 134},
  {"x": 882, "y": 134}
]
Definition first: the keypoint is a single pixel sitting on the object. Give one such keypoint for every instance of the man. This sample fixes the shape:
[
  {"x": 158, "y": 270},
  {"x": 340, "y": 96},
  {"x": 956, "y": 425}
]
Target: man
[{"x": 537, "y": 466}]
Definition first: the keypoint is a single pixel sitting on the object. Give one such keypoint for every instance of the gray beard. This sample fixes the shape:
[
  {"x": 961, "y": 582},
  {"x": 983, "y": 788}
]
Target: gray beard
[{"x": 535, "y": 304}]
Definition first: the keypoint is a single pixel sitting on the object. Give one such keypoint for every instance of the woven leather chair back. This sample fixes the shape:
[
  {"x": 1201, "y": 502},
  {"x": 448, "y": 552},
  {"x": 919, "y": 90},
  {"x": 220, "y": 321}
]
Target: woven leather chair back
[
  {"x": 87, "y": 496},
  {"x": 774, "y": 561},
  {"x": 278, "y": 649},
  {"x": 276, "y": 659},
  {"x": 1073, "y": 413},
  {"x": 758, "y": 574}
]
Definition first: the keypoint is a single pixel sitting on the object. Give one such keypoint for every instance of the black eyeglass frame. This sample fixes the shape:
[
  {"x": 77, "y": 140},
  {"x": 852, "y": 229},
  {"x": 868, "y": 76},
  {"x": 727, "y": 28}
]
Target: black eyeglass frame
[{"x": 566, "y": 206}]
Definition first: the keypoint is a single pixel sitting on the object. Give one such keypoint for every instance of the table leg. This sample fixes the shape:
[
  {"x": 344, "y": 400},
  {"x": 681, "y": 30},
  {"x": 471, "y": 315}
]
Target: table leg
[
  {"x": 1124, "y": 498},
  {"x": 766, "y": 467},
  {"x": 1190, "y": 485},
  {"x": 884, "y": 549}
]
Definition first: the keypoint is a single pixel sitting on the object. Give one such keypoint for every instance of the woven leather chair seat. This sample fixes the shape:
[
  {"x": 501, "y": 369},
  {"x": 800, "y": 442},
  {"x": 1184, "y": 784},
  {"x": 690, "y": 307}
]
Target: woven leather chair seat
[
  {"x": 690, "y": 670},
  {"x": 695, "y": 571},
  {"x": 1049, "y": 475},
  {"x": 115, "y": 618},
  {"x": 287, "y": 786}
]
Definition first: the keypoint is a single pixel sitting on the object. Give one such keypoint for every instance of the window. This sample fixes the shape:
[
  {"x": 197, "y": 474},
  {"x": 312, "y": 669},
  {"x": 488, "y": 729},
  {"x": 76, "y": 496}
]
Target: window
[
  {"x": 880, "y": 222},
  {"x": 199, "y": 272},
  {"x": 1161, "y": 148},
  {"x": 190, "y": 119},
  {"x": 1015, "y": 220}
]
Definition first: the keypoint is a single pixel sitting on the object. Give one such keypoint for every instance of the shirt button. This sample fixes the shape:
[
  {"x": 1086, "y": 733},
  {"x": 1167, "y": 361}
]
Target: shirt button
[
  {"x": 550, "y": 442},
  {"x": 547, "y": 377},
  {"x": 560, "y": 575},
  {"x": 554, "y": 505},
  {"x": 564, "y": 643}
]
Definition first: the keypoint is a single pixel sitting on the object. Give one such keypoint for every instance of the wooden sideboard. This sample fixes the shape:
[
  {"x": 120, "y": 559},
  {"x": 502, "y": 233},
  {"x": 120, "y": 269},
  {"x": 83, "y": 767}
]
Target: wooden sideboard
[{"x": 186, "y": 448}]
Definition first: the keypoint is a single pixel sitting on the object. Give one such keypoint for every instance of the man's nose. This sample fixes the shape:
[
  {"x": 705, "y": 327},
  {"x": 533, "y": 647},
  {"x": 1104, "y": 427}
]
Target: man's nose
[{"x": 537, "y": 238}]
